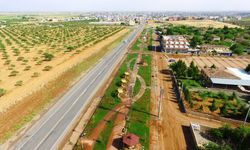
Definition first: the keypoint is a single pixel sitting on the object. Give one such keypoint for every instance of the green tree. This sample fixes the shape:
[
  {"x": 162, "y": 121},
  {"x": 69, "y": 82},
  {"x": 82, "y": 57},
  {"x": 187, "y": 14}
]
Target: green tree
[
  {"x": 2, "y": 92},
  {"x": 193, "y": 71},
  {"x": 179, "y": 68},
  {"x": 237, "y": 49},
  {"x": 48, "y": 56},
  {"x": 224, "y": 109},
  {"x": 213, "y": 107},
  {"x": 196, "y": 40}
]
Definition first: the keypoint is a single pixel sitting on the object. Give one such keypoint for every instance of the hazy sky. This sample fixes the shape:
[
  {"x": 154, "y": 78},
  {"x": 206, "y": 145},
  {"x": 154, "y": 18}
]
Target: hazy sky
[{"x": 124, "y": 5}]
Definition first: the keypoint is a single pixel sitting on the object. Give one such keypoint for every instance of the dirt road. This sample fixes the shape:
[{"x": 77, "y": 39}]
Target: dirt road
[{"x": 173, "y": 126}]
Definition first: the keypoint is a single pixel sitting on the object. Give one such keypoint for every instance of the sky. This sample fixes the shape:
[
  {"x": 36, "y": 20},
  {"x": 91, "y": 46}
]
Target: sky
[{"x": 124, "y": 5}]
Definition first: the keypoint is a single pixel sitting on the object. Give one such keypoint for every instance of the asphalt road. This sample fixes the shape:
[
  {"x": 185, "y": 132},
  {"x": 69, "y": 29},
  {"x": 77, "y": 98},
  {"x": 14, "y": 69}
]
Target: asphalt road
[{"x": 49, "y": 131}]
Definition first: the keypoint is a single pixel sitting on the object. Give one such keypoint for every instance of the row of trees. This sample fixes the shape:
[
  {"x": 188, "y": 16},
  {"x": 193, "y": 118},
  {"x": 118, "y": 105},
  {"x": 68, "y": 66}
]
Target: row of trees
[
  {"x": 228, "y": 138},
  {"x": 181, "y": 70}
]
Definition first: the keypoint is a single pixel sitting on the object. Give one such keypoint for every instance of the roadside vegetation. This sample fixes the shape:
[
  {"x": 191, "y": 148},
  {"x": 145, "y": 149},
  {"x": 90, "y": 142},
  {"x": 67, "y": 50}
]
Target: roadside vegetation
[
  {"x": 103, "y": 138},
  {"x": 137, "y": 44},
  {"x": 145, "y": 69},
  {"x": 137, "y": 87},
  {"x": 139, "y": 119},
  {"x": 110, "y": 99}
]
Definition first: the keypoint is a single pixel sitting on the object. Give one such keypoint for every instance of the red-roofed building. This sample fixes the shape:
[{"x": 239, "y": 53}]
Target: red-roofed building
[{"x": 131, "y": 140}]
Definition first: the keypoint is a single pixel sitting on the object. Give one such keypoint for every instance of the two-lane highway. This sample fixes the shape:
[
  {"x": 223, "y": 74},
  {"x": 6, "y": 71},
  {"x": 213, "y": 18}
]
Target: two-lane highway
[{"x": 49, "y": 131}]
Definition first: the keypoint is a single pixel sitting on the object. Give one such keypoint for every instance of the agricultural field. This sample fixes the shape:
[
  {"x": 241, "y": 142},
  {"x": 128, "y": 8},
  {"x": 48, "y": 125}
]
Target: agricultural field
[
  {"x": 32, "y": 55},
  {"x": 219, "y": 62},
  {"x": 203, "y": 23}
]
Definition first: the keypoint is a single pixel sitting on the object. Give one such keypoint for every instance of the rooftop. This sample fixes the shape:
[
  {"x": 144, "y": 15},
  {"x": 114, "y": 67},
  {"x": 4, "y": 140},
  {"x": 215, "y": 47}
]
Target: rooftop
[{"x": 130, "y": 139}]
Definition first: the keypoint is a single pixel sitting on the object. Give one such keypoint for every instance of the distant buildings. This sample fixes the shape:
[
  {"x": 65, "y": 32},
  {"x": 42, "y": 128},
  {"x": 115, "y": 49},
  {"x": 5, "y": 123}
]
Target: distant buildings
[{"x": 174, "y": 44}]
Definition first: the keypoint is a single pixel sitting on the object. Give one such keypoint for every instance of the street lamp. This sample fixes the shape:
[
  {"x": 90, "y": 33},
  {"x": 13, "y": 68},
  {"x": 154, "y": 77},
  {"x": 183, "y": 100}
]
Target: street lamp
[{"x": 247, "y": 114}]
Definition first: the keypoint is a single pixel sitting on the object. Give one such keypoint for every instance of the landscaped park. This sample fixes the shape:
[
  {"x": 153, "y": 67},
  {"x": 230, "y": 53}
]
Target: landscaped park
[{"x": 122, "y": 110}]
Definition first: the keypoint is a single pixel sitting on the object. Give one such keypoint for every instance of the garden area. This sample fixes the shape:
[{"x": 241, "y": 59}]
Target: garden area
[
  {"x": 109, "y": 101},
  {"x": 228, "y": 138},
  {"x": 201, "y": 99}
]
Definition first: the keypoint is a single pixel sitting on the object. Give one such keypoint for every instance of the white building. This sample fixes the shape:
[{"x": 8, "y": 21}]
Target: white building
[{"x": 174, "y": 43}]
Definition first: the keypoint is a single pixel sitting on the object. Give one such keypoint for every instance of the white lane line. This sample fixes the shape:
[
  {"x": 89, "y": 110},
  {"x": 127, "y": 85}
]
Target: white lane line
[
  {"x": 72, "y": 105},
  {"x": 73, "y": 92}
]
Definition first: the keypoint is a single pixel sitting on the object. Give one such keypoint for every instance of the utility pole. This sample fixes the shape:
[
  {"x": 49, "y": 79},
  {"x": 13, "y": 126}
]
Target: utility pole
[{"x": 247, "y": 114}]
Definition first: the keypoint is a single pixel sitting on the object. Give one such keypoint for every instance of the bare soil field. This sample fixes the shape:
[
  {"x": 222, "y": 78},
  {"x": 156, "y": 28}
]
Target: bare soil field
[
  {"x": 219, "y": 62},
  {"x": 24, "y": 67},
  {"x": 203, "y": 23}
]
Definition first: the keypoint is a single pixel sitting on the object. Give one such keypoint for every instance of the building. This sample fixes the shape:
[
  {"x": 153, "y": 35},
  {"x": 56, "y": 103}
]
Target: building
[
  {"x": 216, "y": 38},
  {"x": 232, "y": 78},
  {"x": 198, "y": 131},
  {"x": 174, "y": 44},
  {"x": 216, "y": 50},
  {"x": 131, "y": 141}
]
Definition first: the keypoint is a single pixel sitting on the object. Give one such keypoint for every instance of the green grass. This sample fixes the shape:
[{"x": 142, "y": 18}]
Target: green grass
[
  {"x": 151, "y": 37},
  {"x": 145, "y": 71},
  {"x": 139, "y": 121},
  {"x": 110, "y": 99},
  {"x": 137, "y": 87},
  {"x": 132, "y": 64},
  {"x": 137, "y": 45},
  {"x": 191, "y": 83},
  {"x": 103, "y": 138}
]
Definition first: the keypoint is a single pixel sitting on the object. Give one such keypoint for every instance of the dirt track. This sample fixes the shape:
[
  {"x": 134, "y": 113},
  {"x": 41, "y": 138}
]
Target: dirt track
[{"x": 173, "y": 126}]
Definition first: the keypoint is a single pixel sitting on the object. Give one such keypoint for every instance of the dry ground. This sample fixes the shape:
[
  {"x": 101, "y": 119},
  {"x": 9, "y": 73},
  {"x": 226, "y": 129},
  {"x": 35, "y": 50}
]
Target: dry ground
[
  {"x": 26, "y": 109},
  {"x": 172, "y": 129},
  {"x": 60, "y": 64},
  {"x": 220, "y": 62},
  {"x": 203, "y": 23}
]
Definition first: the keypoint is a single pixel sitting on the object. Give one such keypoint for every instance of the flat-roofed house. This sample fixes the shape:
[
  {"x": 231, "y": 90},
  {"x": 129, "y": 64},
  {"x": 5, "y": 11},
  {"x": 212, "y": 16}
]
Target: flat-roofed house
[{"x": 174, "y": 43}]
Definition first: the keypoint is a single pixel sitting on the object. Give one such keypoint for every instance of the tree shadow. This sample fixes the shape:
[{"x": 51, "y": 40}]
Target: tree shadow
[{"x": 117, "y": 143}]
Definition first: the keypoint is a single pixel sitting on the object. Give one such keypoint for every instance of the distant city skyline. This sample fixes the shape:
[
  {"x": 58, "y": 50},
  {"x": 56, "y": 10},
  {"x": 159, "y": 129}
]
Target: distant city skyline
[{"x": 124, "y": 5}]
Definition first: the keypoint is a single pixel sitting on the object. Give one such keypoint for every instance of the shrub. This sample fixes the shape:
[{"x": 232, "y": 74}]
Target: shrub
[
  {"x": 19, "y": 83},
  {"x": 47, "y": 68},
  {"x": 35, "y": 74},
  {"x": 13, "y": 73},
  {"x": 20, "y": 58},
  {"x": 2, "y": 92},
  {"x": 213, "y": 107},
  {"x": 27, "y": 68},
  {"x": 48, "y": 56}
]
